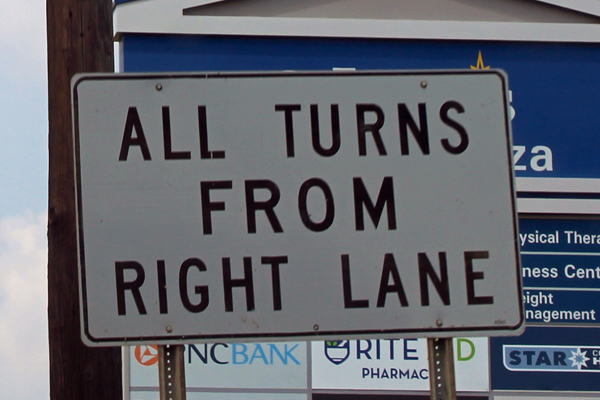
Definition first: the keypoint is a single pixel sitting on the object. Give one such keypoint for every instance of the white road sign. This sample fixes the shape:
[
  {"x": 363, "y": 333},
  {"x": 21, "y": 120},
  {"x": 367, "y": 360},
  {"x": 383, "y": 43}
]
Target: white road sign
[{"x": 295, "y": 205}]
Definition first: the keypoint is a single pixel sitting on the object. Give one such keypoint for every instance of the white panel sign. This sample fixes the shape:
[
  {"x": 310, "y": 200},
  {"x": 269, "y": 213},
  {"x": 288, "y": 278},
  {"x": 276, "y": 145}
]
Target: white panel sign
[
  {"x": 529, "y": 397},
  {"x": 295, "y": 205},
  {"x": 394, "y": 364},
  {"x": 229, "y": 366},
  {"x": 154, "y": 395}
]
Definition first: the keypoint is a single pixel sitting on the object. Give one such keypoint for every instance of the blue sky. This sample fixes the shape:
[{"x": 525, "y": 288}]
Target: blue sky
[
  {"x": 23, "y": 200},
  {"x": 23, "y": 108}
]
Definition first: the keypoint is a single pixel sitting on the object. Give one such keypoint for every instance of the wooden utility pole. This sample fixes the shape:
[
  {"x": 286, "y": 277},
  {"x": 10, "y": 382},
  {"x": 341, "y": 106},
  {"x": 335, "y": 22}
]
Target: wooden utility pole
[{"x": 79, "y": 34}]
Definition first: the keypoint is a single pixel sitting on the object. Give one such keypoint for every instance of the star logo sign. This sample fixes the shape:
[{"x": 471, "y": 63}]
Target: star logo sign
[
  {"x": 146, "y": 355},
  {"x": 579, "y": 359},
  {"x": 480, "y": 63}
]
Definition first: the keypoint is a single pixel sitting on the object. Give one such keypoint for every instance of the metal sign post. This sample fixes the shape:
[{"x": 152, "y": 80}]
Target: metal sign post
[
  {"x": 442, "y": 380},
  {"x": 171, "y": 372}
]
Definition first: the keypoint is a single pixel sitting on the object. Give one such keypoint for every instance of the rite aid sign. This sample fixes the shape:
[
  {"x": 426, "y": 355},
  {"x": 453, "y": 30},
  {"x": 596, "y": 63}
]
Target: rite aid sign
[{"x": 247, "y": 206}]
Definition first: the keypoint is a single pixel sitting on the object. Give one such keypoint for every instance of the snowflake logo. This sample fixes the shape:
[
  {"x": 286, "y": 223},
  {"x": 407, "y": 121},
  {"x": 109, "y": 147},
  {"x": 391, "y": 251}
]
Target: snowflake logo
[{"x": 579, "y": 359}]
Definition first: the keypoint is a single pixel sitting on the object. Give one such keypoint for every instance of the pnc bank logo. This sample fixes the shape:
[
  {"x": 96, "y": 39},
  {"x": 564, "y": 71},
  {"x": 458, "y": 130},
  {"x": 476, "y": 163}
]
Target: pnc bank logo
[
  {"x": 252, "y": 354},
  {"x": 146, "y": 355}
]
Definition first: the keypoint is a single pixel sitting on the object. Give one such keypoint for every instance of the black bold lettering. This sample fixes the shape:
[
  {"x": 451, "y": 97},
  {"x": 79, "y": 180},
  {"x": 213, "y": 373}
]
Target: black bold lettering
[
  {"x": 209, "y": 206},
  {"x": 543, "y": 359},
  {"x": 275, "y": 262},
  {"x": 200, "y": 290},
  {"x": 162, "y": 287},
  {"x": 205, "y": 153},
  {"x": 420, "y": 133},
  {"x": 515, "y": 358},
  {"x": 246, "y": 282},
  {"x": 440, "y": 283},
  {"x": 471, "y": 276},
  {"x": 559, "y": 358},
  {"x": 385, "y": 198},
  {"x": 390, "y": 270},
  {"x": 134, "y": 285},
  {"x": 289, "y": 125},
  {"x": 329, "y": 206},
  {"x": 267, "y": 206},
  {"x": 347, "y": 285},
  {"x": 464, "y": 138},
  {"x": 316, "y": 132},
  {"x": 133, "y": 122},
  {"x": 374, "y": 128},
  {"x": 167, "y": 142}
]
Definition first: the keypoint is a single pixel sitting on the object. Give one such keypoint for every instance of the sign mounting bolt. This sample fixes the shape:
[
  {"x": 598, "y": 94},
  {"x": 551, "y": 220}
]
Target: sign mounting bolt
[
  {"x": 315, "y": 327},
  {"x": 423, "y": 84},
  {"x": 169, "y": 329},
  {"x": 439, "y": 322},
  {"x": 158, "y": 87}
]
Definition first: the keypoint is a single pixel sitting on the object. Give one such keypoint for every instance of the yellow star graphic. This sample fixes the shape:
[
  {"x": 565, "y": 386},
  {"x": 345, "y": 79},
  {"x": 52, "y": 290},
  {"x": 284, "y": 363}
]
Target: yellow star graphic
[{"x": 480, "y": 63}]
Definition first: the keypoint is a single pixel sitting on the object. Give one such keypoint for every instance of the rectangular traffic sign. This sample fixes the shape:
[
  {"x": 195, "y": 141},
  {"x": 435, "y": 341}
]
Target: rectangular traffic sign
[{"x": 295, "y": 205}]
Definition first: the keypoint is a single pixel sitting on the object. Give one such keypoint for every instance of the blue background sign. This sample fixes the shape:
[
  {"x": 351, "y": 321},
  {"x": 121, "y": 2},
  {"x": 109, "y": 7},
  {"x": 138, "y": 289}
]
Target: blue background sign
[
  {"x": 578, "y": 307},
  {"x": 547, "y": 359},
  {"x": 574, "y": 235},
  {"x": 554, "y": 94},
  {"x": 332, "y": 396},
  {"x": 554, "y": 85},
  {"x": 561, "y": 270}
]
